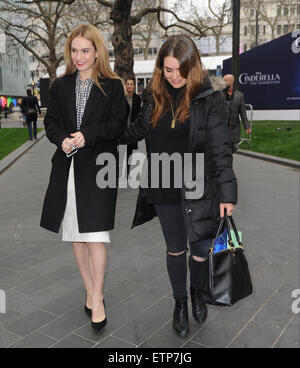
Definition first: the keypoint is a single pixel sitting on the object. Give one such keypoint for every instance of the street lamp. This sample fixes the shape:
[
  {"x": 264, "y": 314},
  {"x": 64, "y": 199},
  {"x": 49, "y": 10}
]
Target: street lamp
[{"x": 236, "y": 6}]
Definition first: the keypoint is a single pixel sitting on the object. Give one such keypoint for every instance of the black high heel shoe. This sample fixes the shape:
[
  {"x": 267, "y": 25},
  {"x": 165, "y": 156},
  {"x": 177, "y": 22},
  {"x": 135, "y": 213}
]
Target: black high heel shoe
[
  {"x": 88, "y": 311},
  {"x": 98, "y": 326}
]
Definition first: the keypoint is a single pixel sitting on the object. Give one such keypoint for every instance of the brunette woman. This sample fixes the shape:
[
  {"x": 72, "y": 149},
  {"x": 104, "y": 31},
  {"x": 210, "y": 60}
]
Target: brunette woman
[
  {"x": 182, "y": 114},
  {"x": 87, "y": 112}
]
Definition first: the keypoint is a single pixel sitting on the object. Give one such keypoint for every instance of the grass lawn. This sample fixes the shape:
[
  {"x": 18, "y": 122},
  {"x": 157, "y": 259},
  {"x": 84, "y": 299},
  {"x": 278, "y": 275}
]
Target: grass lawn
[
  {"x": 11, "y": 139},
  {"x": 277, "y": 138}
]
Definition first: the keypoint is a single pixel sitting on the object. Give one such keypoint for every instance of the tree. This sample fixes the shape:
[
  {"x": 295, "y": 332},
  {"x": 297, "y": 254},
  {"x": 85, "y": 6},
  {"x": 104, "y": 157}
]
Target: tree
[
  {"x": 268, "y": 13},
  {"x": 123, "y": 18},
  {"x": 42, "y": 27},
  {"x": 147, "y": 28},
  {"x": 213, "y": 17},
  {"x": 36, "y": 26}
]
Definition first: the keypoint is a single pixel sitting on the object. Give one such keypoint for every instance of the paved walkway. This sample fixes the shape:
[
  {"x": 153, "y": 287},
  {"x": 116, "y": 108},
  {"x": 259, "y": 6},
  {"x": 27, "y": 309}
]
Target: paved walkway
[{"x": 45, "y": 295}]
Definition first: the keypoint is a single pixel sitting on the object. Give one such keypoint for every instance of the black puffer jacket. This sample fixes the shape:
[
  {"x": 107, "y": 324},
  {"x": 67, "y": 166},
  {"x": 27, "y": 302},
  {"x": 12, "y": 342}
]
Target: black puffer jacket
[{"x": 208, "y": 134}]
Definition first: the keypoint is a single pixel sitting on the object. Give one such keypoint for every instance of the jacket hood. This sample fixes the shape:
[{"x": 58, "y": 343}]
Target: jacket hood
[{"x": 210, "y": 85}]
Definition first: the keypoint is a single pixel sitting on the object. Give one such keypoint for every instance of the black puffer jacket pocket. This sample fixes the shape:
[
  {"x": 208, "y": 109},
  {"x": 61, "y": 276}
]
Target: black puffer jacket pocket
[{"x": 202, "y": 218}]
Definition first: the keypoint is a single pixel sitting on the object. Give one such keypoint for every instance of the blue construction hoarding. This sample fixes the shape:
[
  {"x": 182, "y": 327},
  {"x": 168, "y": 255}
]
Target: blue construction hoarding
[{"x": 270, "y": 73}]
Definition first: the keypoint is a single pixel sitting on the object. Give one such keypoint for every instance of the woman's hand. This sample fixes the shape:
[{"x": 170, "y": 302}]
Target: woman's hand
[
  {"x": 229, "y": 207},
  {"x": 78, "y": 139},
  {"x": 66, "y": 145}
]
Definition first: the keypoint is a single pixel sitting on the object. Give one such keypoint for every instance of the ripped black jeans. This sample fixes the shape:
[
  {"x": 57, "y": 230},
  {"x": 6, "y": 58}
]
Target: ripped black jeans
[{"x": 174, "y": 231}]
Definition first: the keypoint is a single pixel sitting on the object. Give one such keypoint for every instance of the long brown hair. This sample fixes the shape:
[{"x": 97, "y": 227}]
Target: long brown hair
[
  {"x": 183, "y": 49},
  {"x": 101, "y": 67}
]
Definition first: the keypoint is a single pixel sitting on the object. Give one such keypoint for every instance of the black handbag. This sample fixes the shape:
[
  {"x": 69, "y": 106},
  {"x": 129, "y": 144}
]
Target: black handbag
[
  {"x": 30, "y": 113},
  {"x": 227, "y": 278}
]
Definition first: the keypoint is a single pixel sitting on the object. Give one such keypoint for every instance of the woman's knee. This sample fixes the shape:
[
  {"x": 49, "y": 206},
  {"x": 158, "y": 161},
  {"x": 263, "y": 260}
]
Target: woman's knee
[
  {"x": 200, "y": 250},
  {"x": 199, "y": 259},
  {"x": 176, "y": 254}
]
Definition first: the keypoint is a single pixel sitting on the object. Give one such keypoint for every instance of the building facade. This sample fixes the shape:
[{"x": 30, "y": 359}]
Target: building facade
[
  {"x": 263, "y": 21},
  {"x": 14, "y": 73}
]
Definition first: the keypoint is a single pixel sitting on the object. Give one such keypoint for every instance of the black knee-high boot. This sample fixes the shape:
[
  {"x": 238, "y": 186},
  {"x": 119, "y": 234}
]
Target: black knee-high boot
[
  {"x": 197, "y": 274},
  {"x": 177, "y": 270}
]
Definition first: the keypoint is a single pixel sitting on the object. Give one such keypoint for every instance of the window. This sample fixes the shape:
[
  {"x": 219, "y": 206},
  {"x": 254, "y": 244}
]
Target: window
[
  {"x": 264, "y": 29},
  {"x": 152, "y": 51},
  {"x": 285, "y": 11},
  {"x": 298, "y": 9},
  {"x": 293, "y": 9},
  {"x": 285, "y": 29},
  {"x": 252, "y": 30},
  {"x": 278, "y": 10},
  {"x": 138, "y": 52},
  {"x": 245, "y": 47},
  {"x": 245, "y": 30},
  {"x": 278, "y": 29}
]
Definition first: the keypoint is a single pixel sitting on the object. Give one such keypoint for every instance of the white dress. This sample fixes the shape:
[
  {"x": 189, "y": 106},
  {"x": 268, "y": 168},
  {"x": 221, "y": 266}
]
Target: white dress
[{"x": 70, "y": 230}]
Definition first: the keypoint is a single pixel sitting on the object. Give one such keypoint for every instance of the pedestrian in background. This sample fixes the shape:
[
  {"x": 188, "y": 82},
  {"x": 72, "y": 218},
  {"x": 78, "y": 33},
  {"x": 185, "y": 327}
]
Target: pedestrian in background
[
  {"x": 236, "y": 109},
  {"x": 87, "y": 113},
  {"x": 6, "y": 110},
  {"x": 1, "y": 109},
  {"x": 30, "y": 108},
  {"x": 182, "y": 114},
  {"x": 134, "y": 102}
]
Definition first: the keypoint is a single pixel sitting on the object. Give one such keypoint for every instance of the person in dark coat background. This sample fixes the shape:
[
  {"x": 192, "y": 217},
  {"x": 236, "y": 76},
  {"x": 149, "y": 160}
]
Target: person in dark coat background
[
  {"x": 87, "y": 113},
  {"x": 236, "y": 109},
  {"x": 182, "y": 114},
  {"x": 134, "y": 102},
  {"x": 30, "y": 108}
]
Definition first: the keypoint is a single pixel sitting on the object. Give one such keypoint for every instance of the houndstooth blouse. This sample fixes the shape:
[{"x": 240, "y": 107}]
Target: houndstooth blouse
[{"x": 82, "y": 89}]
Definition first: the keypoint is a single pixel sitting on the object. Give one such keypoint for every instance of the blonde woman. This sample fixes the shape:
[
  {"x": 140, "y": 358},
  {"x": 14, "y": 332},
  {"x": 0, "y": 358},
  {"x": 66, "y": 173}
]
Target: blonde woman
[{"x": 87, "y": 113}]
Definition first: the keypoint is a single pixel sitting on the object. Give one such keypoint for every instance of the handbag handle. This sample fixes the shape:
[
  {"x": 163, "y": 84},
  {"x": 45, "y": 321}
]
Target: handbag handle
[
  {"x": 220, "y": 229},
  {"x": 234, "y": 229},
  {"x": 228, "y": 227}
]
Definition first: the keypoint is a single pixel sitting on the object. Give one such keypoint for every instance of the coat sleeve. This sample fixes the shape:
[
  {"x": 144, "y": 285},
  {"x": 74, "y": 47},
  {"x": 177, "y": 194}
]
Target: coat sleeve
[
  {"x": 243, "y": 114},
  {"x": 218, "y": 151},
  {"x": 116, "y": 125},
  {"x": 53, "y": 130},
  {"x": 138, "y": 130},
  {"x": 23, "y": 105},
  {"x": 37, "y": 104}
]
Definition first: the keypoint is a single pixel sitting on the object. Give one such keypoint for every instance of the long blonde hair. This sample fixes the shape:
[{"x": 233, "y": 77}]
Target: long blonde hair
[
  {"x": 101, "y": 67},
  {"x": 182, "y": 48}
]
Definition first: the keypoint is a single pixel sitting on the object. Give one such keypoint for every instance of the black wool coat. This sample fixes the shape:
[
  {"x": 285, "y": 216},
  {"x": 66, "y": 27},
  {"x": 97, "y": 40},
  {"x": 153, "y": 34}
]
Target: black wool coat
[
  {"x": 136, "y": 108},
  {"x": 104, "y": 120},
  {"x": 209, "y": 134}
]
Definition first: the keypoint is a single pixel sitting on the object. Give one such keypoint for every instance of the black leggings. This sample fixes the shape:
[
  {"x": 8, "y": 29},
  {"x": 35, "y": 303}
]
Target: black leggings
[{"x": 173, "y": 227}]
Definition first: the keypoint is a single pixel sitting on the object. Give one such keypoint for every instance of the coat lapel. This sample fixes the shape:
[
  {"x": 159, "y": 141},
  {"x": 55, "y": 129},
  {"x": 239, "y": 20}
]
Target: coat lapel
[
  {"x": 94, "y": 99},
  {"x": 71, "y": 98}
]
